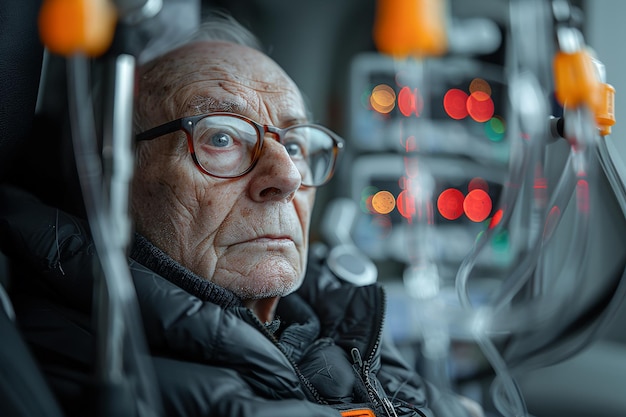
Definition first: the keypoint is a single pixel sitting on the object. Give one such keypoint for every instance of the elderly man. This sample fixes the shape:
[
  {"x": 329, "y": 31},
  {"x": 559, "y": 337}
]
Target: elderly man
[
  {"x": 238, "y": 213},
  {"x": 238, "y": 319}
]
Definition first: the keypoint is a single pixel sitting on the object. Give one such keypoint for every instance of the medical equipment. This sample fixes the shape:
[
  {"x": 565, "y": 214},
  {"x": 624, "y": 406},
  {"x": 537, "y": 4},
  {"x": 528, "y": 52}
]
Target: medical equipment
[{"x": 522, "y": 272}]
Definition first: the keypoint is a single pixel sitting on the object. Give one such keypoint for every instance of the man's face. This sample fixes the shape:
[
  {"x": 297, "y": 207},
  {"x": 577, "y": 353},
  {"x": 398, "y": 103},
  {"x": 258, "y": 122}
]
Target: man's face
[{"x": 246, "y": 234}]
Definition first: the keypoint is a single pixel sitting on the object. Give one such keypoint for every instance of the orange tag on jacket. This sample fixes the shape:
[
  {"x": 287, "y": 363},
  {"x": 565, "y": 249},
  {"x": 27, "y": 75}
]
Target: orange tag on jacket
[{"x": 359, "y": 412}]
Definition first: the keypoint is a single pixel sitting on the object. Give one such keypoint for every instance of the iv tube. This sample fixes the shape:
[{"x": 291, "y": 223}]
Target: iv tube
[
  {"x": 121, "y": 344},
  {"x": 574, "y": 176},
  {"x": 527, "y": 136},
  {"x": 530, "y": 115},
  {"x": 519, "y": 277},
  {"x": 524, "y": 168}
]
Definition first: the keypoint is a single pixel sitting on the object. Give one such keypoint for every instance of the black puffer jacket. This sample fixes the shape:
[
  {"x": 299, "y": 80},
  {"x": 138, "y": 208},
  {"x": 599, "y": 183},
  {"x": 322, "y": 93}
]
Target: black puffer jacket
[{"x": 211, "y": 356}]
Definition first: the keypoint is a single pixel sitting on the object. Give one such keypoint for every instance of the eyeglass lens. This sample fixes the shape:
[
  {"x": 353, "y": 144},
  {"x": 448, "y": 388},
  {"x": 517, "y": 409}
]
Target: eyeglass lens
[{"x": 225, "y": 146}]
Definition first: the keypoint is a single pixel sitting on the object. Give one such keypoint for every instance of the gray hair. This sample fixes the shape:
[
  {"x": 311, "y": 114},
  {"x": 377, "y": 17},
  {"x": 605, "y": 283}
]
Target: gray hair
[
  {"x": 218, "y": 26},
  {"x": 214, "y": 26}
]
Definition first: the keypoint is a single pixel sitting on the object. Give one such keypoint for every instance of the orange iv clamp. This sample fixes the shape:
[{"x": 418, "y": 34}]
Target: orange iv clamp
[
  {"x": 576, "y": 83},
  {"x": 410, "y": 28},
  {"x": 67, "y": 27}
]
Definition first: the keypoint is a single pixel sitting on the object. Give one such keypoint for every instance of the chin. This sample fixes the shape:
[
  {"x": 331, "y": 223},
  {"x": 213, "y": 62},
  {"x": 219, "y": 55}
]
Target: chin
[{"x": 267, "y": 286}]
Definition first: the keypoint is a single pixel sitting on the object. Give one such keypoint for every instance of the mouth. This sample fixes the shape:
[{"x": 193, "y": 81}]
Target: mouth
[{"x": 269, "y": 240}]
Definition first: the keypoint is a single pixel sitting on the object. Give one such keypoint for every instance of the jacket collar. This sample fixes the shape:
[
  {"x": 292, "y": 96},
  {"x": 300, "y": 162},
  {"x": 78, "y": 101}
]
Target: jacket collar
[{"x": 144, "y": 252}]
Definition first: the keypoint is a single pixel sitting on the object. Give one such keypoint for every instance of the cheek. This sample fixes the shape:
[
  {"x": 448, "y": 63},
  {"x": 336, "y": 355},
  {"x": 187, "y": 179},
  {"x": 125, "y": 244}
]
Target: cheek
[
  {"x": 163, "y": 197},
  {"x": 304, "y": 201},
  {"x": 216, "y": 199}
]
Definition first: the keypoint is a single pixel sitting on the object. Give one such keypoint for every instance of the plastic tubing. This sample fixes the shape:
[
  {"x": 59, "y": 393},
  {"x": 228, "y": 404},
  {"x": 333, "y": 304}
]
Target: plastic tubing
[
  {"x": 506, "y": 394},
  {"x": 525, "y": 159},
  {"x": 505, "y": 391},
  {"x": 120, "y": 342},
  {"x": 571, "y": 267},
  {"x": 518, "y": 196},
  {"x": 576, "y": 171},
  {"x": 519, "y": 277}
]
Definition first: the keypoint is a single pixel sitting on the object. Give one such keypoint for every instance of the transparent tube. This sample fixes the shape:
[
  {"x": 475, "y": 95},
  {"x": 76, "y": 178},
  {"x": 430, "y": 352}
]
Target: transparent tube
[
  {"x": 524, "y": 270},
  {"x": 506, "y": 394},
  {"x": 541, "y": 307},
  {"x": 529, "y": 79},
  {"x": 518, "y": 197},
  {"x": 121, "y": 346},
  {"x": 527, "y": 133}
]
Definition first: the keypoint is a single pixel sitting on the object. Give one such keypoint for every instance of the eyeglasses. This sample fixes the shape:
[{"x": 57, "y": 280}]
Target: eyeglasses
[{"x": 228, "y": 145}]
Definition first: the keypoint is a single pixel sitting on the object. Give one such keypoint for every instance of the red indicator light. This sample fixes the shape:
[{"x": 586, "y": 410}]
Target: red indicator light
[
  {"x": 406, "y": 204},
  {"x": 450, "y": 204},
  {"x": 480, "y": 106},
  {"x": 477, "y": 205},
  {"x": 496, "y": 218},
  {"x": 409, "y": 102},
  {"x": 454, "y": 103}
]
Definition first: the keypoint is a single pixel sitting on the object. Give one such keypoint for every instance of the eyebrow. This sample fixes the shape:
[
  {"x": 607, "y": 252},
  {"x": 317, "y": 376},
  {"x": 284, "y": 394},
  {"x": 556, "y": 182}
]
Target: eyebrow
[
  {"x": 294, "y": 120},
  {"x": 204, "y": 104},
  {"x": 209, "y": 104},
  {"x": 229, "y": 106}
]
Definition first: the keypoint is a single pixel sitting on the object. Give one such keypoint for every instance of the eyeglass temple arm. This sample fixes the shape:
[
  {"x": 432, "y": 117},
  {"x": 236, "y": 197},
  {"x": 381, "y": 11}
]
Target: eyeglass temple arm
[{"x": 159, "y": 131}]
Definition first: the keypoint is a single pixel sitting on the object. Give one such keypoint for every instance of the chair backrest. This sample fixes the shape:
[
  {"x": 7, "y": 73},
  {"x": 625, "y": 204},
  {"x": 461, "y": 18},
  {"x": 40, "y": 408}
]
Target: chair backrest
[
  {"x": 23, "y": 389},
  {"x": 20, "y": 70}
]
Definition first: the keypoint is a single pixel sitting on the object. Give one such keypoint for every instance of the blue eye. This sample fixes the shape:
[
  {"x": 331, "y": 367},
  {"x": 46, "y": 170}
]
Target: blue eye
[
  {"x": 294, "y": 150},
  {"x": 221, "y": 140}
]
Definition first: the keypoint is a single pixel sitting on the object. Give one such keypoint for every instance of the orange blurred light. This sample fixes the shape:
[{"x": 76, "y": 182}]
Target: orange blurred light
[
  {"x": 450, "y": 203},
  {"x": 477, "y": 205},
  {"x": 410, "y": 27},
  {"x": 478, "y": 183},
  {"x": 454, "y": 103},
  {"x": 478, "y": 84},
  {"x": 383, "y": 202},
  {"x": 480, "y": 106},
  {"x": 383, "y": 98}
]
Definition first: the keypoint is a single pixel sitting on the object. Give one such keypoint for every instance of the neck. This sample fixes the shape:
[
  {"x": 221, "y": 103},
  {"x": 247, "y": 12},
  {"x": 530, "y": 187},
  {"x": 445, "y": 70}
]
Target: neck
[{"x": 264, "y": 308}]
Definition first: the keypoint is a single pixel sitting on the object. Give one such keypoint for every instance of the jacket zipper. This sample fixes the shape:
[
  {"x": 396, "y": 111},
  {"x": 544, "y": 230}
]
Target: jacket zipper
[
  {"x": 312, "y": 390},
  {"x": 363, "y": 368}
]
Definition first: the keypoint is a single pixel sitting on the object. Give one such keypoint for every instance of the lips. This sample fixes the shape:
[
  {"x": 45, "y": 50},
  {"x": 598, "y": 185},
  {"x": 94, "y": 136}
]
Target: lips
[
  {"x": 271, "y": 228},
  {"x": 269, "y": 239},
  {"x": 265, "y": 239}
]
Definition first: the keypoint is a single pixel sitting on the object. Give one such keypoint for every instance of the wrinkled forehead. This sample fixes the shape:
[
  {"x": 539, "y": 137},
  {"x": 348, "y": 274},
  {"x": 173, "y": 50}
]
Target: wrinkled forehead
[{"x": 216, "y": 76}]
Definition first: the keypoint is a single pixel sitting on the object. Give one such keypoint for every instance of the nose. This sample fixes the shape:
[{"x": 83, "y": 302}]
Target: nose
[{"x": 275, "y": 177}]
